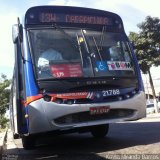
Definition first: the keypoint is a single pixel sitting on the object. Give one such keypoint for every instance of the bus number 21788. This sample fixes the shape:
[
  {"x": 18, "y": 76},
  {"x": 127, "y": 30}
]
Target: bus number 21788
[{"x": 111, "y": 92}]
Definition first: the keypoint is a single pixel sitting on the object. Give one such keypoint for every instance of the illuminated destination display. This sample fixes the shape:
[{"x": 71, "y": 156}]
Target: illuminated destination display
[
  {"x": 73, "y": 16},
  {"x": 67, "y": 18}
]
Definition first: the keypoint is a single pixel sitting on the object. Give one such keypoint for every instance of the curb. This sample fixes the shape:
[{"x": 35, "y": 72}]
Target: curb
[
  {"x": 3, "y": 137},
  {"x": 153, "y": 115}
]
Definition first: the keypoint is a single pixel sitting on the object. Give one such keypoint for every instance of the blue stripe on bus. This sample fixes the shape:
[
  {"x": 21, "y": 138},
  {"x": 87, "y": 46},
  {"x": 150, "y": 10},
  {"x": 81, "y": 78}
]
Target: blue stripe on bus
[
  {"x": 31, "y": 86},
  {"x": 140, "y": 82}
]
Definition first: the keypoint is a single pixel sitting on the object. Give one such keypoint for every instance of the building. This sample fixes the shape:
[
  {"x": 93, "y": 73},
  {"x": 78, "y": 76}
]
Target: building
[{"x": 155, "y": 73}]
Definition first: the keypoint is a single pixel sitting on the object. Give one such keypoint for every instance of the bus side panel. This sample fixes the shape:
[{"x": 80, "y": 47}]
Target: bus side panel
[
  {"x": 141, "y": 86},
  {"x": 30, "y": 82},
  {"x": 13, "y": 108},
  {"x": 18, "y": 92}
]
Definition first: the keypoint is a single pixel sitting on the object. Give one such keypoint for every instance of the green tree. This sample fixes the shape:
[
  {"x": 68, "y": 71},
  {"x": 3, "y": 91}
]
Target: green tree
[
  {"x": 3, "y": 122},
  {"x": 147, "y": 47},
  {"x": 4, "y": 98}
]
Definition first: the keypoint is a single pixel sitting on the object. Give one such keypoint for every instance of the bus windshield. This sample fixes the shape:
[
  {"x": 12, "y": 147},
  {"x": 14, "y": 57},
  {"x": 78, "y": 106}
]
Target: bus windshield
[{"x": 73, "y": 52}]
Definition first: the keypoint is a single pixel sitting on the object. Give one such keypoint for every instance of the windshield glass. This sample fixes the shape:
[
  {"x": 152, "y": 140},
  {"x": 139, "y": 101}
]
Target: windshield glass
[{"x": 64, "y": 53}]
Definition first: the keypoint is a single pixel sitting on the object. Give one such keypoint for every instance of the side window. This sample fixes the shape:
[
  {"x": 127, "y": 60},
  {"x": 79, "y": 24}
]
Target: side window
[
  {"x": 120, "y": 52},
  {"x": 115, "y": 53},
  {"x": 126, "y": 51}
]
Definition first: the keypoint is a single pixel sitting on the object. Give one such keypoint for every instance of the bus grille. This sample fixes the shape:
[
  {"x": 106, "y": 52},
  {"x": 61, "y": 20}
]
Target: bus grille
[{"x": 83, "y": 117}]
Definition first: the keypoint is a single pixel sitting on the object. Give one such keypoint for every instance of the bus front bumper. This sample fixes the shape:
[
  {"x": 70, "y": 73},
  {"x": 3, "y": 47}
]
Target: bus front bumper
[{"x": 49, "y": 116}]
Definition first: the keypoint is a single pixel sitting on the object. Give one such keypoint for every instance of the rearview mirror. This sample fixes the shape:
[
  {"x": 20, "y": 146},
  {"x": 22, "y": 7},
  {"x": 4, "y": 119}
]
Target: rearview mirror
[{"x": 17, "y": 33}]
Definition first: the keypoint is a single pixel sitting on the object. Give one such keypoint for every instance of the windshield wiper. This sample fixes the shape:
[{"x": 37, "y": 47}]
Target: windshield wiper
[
  {"x": 102, "y": 37},
  {"x": 66, "y": 35},
  {"x": 94, "y": 40},
  {"x": 80, "y": 51},
  {"x": 90, "y": 54}
]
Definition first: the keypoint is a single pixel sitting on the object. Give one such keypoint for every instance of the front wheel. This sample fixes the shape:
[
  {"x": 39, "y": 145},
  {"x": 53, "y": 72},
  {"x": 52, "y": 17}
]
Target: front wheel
[
  {"x": 100, "y": 131},
  {"x": 15, "y": 136},
  {"x": 28, "y": 142}
]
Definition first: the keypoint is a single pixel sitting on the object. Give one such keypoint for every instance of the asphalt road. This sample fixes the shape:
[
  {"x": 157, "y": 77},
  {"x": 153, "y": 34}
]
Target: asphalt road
[{"x": 129, "y": 140}]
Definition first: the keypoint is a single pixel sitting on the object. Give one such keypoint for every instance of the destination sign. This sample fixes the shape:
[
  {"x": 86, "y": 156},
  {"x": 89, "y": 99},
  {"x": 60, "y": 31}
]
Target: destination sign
[
  {"x": 70, "y": 18},
  {"x": 74, "y": 17}
]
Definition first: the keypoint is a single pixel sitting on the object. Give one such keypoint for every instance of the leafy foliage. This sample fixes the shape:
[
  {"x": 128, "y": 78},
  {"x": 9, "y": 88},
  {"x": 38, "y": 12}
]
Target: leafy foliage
[
  {"x": 147, "y": 43},
  {"x": 147, "y": 47},
  {"x": 4, "y": 98},
  {"x": 3, "y": 122}
]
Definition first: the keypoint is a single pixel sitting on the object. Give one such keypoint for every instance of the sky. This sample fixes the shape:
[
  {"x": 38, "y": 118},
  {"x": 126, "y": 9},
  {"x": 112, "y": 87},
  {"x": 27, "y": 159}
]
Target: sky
[{"x": 132, "y": 13}]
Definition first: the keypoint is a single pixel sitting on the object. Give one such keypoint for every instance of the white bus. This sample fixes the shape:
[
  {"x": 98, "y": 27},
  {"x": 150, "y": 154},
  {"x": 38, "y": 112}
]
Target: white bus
[{"x": 75, "y": 71}]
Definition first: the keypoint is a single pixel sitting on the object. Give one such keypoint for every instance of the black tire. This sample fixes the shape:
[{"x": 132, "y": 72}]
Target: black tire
[
  {"x": 28, "y": 142},
  {"x": 100, "y": 131},
  {"x": 16, "y": 136}
]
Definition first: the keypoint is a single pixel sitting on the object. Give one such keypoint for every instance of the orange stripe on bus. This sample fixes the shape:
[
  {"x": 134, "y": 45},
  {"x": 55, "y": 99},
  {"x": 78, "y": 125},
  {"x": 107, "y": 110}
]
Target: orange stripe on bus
[
  {"x": 78, "y": 95},
  {"x": 33, "y": 98}
]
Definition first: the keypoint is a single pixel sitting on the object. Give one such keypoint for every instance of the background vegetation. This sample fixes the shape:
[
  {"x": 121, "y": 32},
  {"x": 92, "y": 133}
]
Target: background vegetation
[
  {"x": 4, "y": 99},
  {"x": 147, "y": 47}
]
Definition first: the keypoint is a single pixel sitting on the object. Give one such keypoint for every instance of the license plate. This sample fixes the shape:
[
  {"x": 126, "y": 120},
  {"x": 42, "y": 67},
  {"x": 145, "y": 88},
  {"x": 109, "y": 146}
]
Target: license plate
[{"x": 99, "y": 110}]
